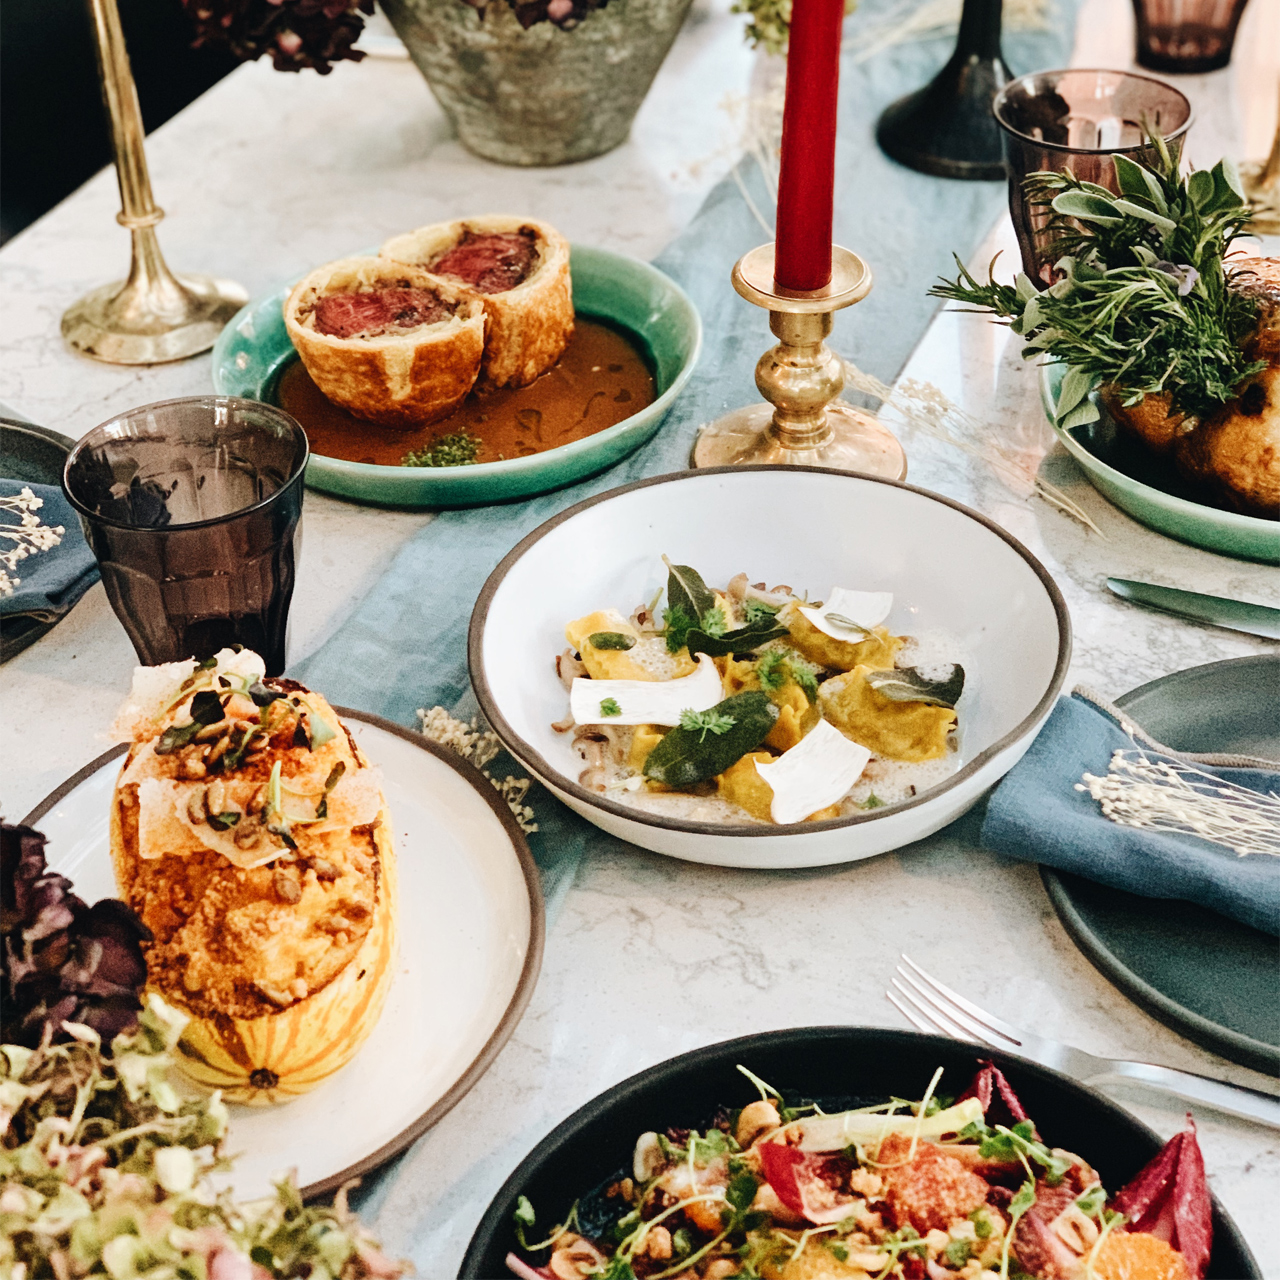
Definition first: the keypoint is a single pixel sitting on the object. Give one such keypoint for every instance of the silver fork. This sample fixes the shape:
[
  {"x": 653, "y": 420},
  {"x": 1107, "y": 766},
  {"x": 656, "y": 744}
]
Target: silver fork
[{"x": 931, "y": 1006}]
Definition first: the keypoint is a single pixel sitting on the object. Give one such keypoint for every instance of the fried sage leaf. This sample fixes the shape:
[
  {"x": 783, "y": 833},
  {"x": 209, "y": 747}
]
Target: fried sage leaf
[
  {"x": 611, "y": 640},
  {"x": 744, "y": 640},
  {"x": 686, "y": 590},
  {"x": 685, "y": 756},
  {"x": 906, "y": 684}
]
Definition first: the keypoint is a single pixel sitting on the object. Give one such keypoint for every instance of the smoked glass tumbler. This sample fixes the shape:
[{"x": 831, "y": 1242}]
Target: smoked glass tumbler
[
  {"x": 191, "y": 507},
  {"x": 1076, "y": 121},
  {"x": 1186, "y": 35}
]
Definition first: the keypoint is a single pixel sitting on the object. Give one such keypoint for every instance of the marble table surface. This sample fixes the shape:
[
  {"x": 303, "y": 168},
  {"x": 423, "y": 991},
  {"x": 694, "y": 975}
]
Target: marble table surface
[{"x": 266, "y": 175}]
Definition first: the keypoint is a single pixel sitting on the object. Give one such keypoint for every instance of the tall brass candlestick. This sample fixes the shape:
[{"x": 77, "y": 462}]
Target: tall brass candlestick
[
  {"x": 803, "y": 423},
  {"x": 154, "y": 315}
]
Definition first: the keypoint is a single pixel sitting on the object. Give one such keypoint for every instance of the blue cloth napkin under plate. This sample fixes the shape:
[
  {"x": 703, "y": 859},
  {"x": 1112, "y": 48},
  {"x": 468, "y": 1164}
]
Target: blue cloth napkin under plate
[
  {"x": 51, "y": 581},
  {"x": 1037, "y": 815}
]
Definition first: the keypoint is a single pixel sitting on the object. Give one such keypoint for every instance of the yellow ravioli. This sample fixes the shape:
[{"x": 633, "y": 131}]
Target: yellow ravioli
[
  {"x": 912, "y": 731},
  {"x": 876, "y": 652}
]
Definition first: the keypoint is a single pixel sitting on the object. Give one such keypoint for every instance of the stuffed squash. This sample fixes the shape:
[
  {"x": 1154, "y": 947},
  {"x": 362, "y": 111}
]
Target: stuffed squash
[{"x": 251, "y": 837}]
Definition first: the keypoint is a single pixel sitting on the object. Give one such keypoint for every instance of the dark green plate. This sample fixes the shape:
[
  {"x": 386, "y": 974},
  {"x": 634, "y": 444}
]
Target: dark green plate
[
  {"x": 1212, "y": 979},
  {"x": 34, "y": 455}
]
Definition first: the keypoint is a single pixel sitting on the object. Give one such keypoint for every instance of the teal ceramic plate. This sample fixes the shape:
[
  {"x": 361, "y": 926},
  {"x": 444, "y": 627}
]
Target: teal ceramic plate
[
  {"x": 1212, "y": 979},
  {"x": 254, "y": 349},
  {"x": 1150, "y": 489}
]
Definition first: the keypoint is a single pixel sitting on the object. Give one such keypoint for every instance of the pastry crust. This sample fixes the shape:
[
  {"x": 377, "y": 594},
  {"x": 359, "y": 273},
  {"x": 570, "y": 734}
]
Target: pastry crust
[
  {"x": 400, "y": 377},
  {"x": 529, "y": 324}
]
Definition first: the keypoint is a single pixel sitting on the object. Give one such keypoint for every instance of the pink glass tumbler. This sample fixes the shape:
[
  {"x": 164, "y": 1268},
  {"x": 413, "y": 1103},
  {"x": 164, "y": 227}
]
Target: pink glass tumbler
[{"x": 1186, "y": 35}]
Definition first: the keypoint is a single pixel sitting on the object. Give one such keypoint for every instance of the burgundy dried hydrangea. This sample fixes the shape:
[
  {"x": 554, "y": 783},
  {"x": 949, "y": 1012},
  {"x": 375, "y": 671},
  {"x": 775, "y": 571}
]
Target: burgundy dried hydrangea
[
  {"x": 62, "y": 961},
  {"x": 566, "y": 14},
  {"x": 296, "y": 33}
]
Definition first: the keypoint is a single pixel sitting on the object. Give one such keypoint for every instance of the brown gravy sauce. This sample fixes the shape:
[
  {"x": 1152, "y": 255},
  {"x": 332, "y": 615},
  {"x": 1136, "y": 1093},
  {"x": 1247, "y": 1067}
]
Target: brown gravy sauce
[{"x": 601, "y": 379}]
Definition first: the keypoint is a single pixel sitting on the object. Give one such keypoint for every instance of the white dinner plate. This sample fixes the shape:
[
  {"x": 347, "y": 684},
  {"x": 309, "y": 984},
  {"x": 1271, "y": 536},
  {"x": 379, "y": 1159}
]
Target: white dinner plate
[{"x": 471, "y": 930}]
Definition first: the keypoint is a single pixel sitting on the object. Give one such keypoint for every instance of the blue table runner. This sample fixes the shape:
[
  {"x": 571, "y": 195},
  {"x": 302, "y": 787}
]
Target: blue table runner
[{"x": 404, "y": 647}]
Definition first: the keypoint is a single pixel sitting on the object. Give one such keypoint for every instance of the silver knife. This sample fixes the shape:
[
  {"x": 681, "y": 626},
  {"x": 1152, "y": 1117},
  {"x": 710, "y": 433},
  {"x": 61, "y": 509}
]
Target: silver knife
[{"x": 1217, "y": 611}]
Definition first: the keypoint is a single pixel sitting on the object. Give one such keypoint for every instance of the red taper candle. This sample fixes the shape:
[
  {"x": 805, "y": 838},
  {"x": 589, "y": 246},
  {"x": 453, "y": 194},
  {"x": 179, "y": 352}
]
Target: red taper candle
[{"x": 806, "y": 185}]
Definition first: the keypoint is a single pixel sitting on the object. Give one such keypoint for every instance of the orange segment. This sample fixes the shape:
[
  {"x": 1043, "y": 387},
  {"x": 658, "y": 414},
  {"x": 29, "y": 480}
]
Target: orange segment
[{"x": 1135, "y": 1255}]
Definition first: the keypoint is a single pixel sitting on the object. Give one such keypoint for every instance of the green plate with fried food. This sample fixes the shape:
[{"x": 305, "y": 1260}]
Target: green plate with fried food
[
  {"x": 1165, "y": 342},
  {"x": 1150, "y": 489}
]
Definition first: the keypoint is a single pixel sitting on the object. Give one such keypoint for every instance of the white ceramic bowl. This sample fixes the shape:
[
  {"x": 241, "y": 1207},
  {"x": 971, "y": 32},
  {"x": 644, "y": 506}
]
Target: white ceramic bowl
[{"x": 949, "y": 569}]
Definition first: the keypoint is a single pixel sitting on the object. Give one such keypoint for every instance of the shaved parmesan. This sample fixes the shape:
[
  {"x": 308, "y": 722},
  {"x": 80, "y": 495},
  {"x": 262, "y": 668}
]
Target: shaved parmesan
[
  {"x": 864, "y": 609},
  {"x": 646, "y": 701},
  {"x": 815, "y": 773},
  {"x": 154, "y": 688}
]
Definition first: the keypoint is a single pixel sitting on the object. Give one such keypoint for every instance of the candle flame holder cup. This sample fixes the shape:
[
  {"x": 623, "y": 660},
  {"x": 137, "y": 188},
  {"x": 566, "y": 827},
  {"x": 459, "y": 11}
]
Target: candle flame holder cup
[{"x": 803, "y": 423}]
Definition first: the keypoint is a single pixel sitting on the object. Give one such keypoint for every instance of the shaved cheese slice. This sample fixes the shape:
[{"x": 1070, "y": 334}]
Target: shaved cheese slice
[
  {"x": 815, "y": 773},
  {"x": 866, "y": 609},
  {"x": 647, "y": 701},
  {"x": 154, "y": 688}
]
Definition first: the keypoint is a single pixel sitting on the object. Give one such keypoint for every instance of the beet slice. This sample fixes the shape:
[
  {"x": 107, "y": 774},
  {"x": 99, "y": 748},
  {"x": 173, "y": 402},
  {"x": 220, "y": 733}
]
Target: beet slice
[
  {"x": 797, "y": 1179},
  {"x": 1000, "y": 1104},
  {"x": 1170, "y": 1199}
]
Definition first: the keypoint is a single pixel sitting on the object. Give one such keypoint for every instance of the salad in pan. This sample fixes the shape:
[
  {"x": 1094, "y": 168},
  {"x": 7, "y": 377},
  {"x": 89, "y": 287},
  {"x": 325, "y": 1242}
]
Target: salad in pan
[
  {"x": 746, "y": 703},
  {"x": 923, "y": 1190}
]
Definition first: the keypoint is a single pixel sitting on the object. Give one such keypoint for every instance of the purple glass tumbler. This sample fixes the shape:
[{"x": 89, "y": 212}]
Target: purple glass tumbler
[
  {"x": 191, "y": 507},
  {"x": 1076, "y": 121},
  {"x": 1186, "y": 35}
]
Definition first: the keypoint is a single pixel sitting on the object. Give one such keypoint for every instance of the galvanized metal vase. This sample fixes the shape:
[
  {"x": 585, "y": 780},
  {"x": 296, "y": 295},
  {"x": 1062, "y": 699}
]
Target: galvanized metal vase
[{"x": 540, "y": 96}]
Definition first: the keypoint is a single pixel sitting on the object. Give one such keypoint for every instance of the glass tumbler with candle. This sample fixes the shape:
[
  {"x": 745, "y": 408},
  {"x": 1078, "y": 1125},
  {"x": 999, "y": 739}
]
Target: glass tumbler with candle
[
  {"x": 1186, "y": 35},
  {"x": 1076, "y": 121},
  {"x": 191, "y": 507}
]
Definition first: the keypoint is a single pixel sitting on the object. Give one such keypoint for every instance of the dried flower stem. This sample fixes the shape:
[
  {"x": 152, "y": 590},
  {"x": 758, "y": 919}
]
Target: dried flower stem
[
  {"x": 1157, "y": 794},
  {"x": 29, "y": 536}
]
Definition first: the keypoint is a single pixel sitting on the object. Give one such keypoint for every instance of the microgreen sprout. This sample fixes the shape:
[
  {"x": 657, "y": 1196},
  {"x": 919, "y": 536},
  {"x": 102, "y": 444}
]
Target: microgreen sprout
[
  {"x": 609, "y": 707},
  {"x": 525, "y": 1218}
]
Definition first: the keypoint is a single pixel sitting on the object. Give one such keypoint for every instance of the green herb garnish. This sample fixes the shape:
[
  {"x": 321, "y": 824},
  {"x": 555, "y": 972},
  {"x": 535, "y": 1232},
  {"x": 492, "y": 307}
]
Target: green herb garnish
[
  {"x": 1144, "y": 300},
  {"x": 611, "y": 640},
  {"x": 688, "y": 755},
  {"x": 706, "y": 722},
  {"x": 335, "y": 775},
  {"x": 459, "y": 449},
  {"x": 756, "y": 612},
  {"x": 609, "y": 707},
  {"x": 958, "y": 1252},
  {"x": 206, "y": 709}
]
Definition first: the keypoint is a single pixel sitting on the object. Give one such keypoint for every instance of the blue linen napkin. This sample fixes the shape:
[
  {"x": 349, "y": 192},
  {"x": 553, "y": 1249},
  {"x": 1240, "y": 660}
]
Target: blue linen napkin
[
  {"x": 1037, "y": 815},
  {"x": 52, "y": 581}
]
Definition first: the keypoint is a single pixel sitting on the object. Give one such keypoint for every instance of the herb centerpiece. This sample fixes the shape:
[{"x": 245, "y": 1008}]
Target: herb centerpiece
[{"x": 1151, "y": 312}]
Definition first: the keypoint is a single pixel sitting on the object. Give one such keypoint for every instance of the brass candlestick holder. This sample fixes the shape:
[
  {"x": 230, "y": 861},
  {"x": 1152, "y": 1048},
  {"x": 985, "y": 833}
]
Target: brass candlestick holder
[
  {"x": 803, "y": 424},
  {"x": 154, "y": 315}
]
